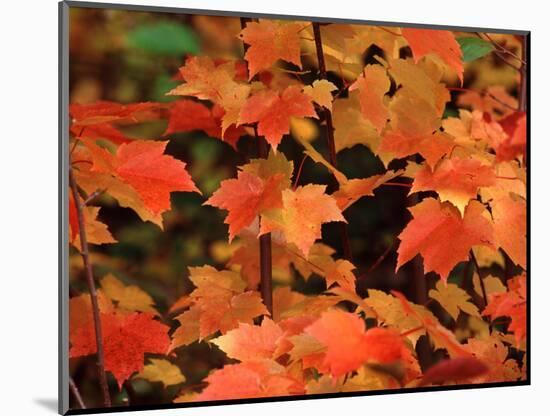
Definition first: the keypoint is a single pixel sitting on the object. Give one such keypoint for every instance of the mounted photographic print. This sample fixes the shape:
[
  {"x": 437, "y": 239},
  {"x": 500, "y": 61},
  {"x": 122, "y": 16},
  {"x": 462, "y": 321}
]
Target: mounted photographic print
[{"x": 268, "y": 208}]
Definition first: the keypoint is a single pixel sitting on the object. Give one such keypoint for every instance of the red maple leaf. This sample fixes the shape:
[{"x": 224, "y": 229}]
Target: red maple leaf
[{"x": 126, "y": 339}]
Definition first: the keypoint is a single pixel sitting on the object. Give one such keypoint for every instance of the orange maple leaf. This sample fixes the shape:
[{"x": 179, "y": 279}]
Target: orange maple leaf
[
  {"x": 270, "y": 41},
  {"x": 349, "y": 346},
  {"x": 126, "y": 339},
  {"x": 344, "y": 335},
  {"x": 188, "y": 115},
  {"x": 440, "y": 42},
  {"x": 96, "y": 120},
  {"x": 245, "y": 198},
  {"x": 455, "y": 180},
  {"x": 250, "y": 342},
  {"x": 373, "y": 84},
  {"x": 273, "y": 111},
  {"x": 260, "y": 378},
  {"x": 431, "y": 147},
  {"x": 304, "y": 210},
  {"x": 219, "y": 303},
  {"x": 510, "y": 225},
  {"x": 143, "y": 165},
  {"x": 442, "y": 236},
  {"x": 512, "y": 303}
]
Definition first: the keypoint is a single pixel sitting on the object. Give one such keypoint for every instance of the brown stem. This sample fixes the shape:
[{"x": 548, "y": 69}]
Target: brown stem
[
  {"x": 91, "y": 286},
  {"x": 76, "y": 393},
  {"x": 344, "y": 236},
  {"x": 266, "y": 273},
  {"x": 481, "y": 283}
]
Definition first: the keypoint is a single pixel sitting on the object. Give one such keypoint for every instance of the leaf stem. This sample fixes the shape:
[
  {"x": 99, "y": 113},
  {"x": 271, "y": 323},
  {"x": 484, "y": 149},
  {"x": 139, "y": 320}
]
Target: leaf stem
[
  {"x": 344, "y": 236},
  {"x": 91, "y": 286}
]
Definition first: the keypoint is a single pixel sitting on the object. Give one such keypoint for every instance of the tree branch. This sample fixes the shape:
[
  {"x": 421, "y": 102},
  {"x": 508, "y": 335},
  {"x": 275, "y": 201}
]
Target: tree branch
[
  {"x": 344, "y": 236},
  {"x": 266, "y": 272},
  {"x": 91, "y": 286}
]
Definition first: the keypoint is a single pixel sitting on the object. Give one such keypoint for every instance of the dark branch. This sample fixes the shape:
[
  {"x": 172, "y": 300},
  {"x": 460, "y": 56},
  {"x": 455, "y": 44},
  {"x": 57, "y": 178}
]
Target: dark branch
[{"x": 91, "y": 287}]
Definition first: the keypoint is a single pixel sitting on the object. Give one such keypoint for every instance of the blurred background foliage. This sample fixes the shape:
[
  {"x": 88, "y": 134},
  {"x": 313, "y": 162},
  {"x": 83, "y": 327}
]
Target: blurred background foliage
[{"x": 129, "y": 57}]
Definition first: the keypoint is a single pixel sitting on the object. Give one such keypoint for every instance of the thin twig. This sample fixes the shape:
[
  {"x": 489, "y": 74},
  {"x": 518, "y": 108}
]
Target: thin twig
[
  {"x": 501, "y": 52},
  {"x": 93, "y": 195},
  {"x": 76, "y": 393},
  {"x": 91, "y": 287},
  {"x": 299, "y": 173},
  {"x": 504, "y": 50},
  {"x": 381, "y": 258},
  {"x": 346, "y": 246}
]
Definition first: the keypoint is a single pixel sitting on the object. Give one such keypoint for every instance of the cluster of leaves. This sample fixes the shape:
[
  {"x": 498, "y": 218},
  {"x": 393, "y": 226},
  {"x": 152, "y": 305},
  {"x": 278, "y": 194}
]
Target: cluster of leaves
[{"x": 467, "y": 172}]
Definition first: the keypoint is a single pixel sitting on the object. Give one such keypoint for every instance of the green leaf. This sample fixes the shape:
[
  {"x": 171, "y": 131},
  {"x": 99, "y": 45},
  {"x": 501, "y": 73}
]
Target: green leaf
[
  {"x": 164, "y": 38},
  {"x": 474, "y": 48}
]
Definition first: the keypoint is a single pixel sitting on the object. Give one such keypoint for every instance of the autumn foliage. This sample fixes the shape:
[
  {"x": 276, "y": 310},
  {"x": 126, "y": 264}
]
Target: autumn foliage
[{"x": 464, "y": 238}]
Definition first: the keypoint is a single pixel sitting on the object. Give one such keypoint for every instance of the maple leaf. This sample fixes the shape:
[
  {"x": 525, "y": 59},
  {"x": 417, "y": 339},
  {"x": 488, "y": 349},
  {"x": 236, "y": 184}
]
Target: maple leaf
[
  {"x": 80, "y": 310},
  {"x": 106, "y": 111},
  {"x": 453, "y": 299},
  {"x": 126, "y": 339},
  {"x": 154, "y": 175},
  {"x": 512, "y": 303},
  {"x": 270, "y": 41},
  {"x": 204, "y": 79},
  {"x": 494, "y": 354},
  {"x": 189, "y": 329},
  {"x": 515, "y": 125},
  {"x": 349, "y": 346},
  {"x": 162, "y": 371},
  {"x": 245, "y": 198},
  {"x": 96, "y": 120},
  {"x": 455, "y": 180},
  {"x": 454, "y": 370},
  {"x": 96, "y": 231},
  {"x": 343, "y": 334},
  {"x": 431, "y": 147},
  {"x": 440, "y": 42},
  {"x": 273, "y": 112},
  {"x": 389, "y": 311},
  {"x": 300, "y": 223},
  {"x": 219, "y": 303},
  {"x": 510, "y": 225},
  {"x": 207, "y": 79},
  {"x": 188, "y": 115},
  {"x": 440, "y": 336},
  {"x": 341, "y": 272},
  {"x": 128, "y": 298},
  {"x": 251, "y": 342},
  {"x": 372, "y": 86},
  {"x": 442, "y": 236},
  {"x": 350, "y": 127},
  {"x": 261, "y": 378},
  {"x": 321, "y": 92},
  {"x": 121, "y": 191},
  {"x": 353, "y": 189},
  {"x": 143, "y": 166}
]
